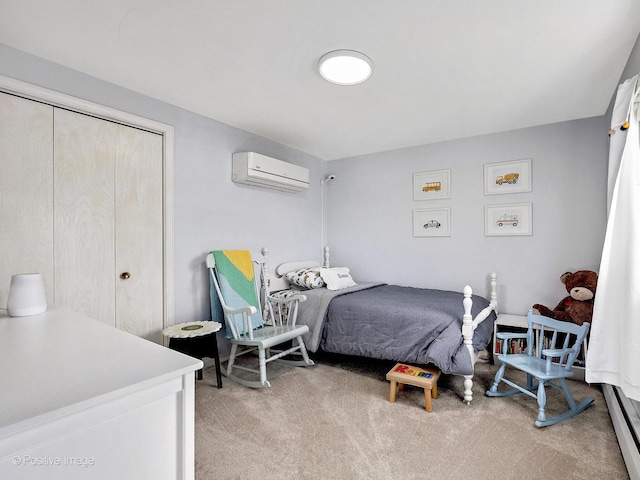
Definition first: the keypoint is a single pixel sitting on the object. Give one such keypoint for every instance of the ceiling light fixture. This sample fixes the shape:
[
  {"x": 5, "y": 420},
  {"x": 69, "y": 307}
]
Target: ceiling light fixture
[{"x": 345, "y": 67}]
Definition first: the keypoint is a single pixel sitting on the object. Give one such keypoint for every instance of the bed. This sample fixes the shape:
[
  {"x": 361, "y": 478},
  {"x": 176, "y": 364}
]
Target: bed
[{"x": 388, "y": 322}]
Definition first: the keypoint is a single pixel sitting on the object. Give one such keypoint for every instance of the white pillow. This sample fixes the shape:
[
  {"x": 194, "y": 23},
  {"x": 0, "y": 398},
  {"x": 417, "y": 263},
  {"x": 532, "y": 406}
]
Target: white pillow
[
  {"x": 305, "y": 278},
  {"x": 337, "y": 278}
]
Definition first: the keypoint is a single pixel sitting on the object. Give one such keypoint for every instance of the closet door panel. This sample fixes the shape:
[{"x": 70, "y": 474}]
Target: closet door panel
[
  {"x": 139, "y": 233},
  {"x": 84, "y": 152},
  {"x": 26, "y": 192}
]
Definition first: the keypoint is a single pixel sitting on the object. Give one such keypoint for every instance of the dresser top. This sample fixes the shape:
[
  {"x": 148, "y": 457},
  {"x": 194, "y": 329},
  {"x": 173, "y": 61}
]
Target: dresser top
[{"x": 60, "y": 362}]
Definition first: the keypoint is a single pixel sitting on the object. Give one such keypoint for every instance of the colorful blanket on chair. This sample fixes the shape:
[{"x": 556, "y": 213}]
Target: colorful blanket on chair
[{"x": 236, "y": 278}]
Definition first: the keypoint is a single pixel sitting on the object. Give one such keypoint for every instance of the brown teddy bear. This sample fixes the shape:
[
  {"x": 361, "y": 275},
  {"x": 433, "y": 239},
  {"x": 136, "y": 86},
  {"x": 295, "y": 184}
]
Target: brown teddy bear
[{"x": 578, "y": 306}]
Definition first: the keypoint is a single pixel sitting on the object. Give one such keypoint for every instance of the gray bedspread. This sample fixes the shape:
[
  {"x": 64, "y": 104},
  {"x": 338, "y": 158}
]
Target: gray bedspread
[{"x": 403, "y": 324}]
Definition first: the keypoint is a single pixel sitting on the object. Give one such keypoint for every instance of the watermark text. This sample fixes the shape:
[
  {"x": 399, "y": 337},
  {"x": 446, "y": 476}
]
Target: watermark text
[{"x": 53, "y": 461}]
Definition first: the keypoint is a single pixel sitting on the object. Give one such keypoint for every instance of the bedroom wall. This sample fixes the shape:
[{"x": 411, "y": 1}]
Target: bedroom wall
[
  {"x": 369, "y": 214},
  {"x": 210, "y": 211},
  {"x": 369, "y": 206}
]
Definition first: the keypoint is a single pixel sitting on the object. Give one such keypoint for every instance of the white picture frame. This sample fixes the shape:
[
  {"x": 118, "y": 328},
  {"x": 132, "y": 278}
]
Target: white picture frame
[
  {"x": 432, "y": 185},
  {"x": 432, "y": 222},
  {"x": 509, "y": 219},
  {"x": 507, "y": 177}
]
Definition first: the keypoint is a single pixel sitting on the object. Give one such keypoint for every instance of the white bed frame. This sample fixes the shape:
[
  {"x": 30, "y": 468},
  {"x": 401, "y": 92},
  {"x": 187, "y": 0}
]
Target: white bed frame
[{"x": 277, "y": 282}]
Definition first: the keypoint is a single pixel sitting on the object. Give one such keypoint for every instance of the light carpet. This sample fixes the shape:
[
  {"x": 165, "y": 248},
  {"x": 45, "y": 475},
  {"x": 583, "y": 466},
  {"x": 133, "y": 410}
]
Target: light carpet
[{"x": 335, "y": 421}]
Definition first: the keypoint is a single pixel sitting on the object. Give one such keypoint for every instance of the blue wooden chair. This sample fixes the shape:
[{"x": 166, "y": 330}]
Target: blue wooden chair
[
  {"x": 551, "y": 349},
  {"x": 233, "y": 288}
]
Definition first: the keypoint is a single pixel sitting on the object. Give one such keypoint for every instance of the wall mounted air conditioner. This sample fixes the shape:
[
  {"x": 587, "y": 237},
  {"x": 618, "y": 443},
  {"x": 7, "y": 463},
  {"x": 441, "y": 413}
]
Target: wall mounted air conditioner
[{"x": 258, "y": 170}]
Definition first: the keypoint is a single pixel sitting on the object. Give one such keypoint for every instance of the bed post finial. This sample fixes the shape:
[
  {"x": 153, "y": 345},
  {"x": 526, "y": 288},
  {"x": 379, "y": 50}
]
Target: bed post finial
[
  {"x": 264, "y": 268},
  {"x": 467, "y": 335},
  {"x": 467, "y": 302},
  {"x": 325, "y": 255},
  {"x": 264, "y": 283},
  {"x": 494, "y": 292}
]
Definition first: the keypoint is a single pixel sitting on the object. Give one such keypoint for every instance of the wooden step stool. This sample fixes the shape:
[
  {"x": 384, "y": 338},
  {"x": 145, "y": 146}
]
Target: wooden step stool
[{"x": 426, "y": 378}]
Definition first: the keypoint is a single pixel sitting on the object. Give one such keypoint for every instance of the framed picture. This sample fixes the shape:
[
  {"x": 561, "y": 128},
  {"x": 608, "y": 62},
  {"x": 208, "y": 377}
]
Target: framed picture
[
  {"x": 507, "y": 177},
  {"x": 508, "y": 219},
  {"x": 432, "y": 222},
  {"x": 432, "y": 185}
]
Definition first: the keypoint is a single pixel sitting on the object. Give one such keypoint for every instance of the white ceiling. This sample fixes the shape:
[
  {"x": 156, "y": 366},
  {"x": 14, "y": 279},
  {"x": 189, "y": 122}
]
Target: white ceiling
[{"x": 442, "y": 69}]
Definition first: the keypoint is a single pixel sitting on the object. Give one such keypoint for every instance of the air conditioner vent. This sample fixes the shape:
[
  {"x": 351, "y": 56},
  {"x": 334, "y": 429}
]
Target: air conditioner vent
[{"x": 251, "y": 168}]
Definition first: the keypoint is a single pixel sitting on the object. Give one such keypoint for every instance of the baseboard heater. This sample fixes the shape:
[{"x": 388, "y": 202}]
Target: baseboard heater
[{"x": 626, "y": 422}]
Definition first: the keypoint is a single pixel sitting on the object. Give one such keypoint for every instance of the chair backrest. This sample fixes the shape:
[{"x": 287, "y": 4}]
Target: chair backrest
[
  {"x": 555, "y": 335},
  {"x": 278, "y": 286},
  {"x": 233, "y": 288}
]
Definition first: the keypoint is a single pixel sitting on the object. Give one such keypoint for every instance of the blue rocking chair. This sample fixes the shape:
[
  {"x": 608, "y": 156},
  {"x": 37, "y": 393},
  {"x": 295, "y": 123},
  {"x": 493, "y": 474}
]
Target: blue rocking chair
[
  {"x": 552, "y": 348},
  {"x": 233, "y": 288}
]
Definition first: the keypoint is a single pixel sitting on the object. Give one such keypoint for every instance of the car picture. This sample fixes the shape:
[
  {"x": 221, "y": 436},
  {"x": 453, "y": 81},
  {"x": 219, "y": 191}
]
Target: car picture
[
  {"x": 507, "y": 220},
  {"x": 432, "y": 224}
]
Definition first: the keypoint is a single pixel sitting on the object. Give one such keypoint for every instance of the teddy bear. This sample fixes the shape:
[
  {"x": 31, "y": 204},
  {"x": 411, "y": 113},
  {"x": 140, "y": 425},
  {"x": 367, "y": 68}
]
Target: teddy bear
[{"x": 578, "y": 306}]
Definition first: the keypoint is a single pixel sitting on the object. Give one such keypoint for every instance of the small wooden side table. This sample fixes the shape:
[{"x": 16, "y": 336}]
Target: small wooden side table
[
  {"x": 426, "y": 378},
  {"x": 196, "y": 339}
]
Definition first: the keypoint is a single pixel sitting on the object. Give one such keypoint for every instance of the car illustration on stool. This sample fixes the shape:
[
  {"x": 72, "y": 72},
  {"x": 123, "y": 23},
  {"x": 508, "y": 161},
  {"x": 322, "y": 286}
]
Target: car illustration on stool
[{"x": 432, "y": 223}]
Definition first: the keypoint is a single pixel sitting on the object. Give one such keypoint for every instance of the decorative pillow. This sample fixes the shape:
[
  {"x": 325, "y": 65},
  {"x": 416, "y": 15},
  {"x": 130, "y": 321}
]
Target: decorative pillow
[
  {"x": 337, "y": 278},
  {"x": 306, "y": 278}
]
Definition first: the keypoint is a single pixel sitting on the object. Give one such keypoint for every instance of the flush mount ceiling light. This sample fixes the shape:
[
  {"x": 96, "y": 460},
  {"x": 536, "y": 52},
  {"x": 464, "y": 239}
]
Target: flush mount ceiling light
[{"x": 345, "y": 67}]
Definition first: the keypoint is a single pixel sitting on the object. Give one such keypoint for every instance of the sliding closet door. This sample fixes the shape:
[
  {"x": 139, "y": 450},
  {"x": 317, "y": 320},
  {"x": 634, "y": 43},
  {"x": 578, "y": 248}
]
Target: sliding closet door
[
  {"x": 26, "y": 191},
  {"x": 139, "y": 233},
  {"x": 84, "y": 198}
]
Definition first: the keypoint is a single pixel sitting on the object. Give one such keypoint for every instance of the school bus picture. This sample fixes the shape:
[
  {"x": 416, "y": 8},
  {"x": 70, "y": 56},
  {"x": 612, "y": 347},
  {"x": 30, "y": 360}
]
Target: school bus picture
[
  {"x": 508, "y": 178},
  {"x": 429, "y": 186}
]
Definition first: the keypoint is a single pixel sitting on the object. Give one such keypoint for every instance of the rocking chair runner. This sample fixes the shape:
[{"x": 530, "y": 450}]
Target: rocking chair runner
[
  {"x": 546, "y": 361},
  {"x": 231, "y": 274}
]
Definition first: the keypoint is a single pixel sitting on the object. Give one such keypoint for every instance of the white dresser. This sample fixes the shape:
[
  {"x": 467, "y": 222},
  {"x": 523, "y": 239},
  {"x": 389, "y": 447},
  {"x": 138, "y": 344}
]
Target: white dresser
[{"x": 80, "y": 399}]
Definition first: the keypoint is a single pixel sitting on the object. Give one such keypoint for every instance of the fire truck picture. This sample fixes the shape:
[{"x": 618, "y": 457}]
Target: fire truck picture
[
  {"x": 508, "y": 178},
  {"x": 432, "y": 186},
  {"x": 507, "y": 220}
]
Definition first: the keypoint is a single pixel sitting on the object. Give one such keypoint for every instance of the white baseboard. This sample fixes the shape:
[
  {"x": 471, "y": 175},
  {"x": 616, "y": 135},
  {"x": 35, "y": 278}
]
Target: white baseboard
[{"x": 626, "y": 423}]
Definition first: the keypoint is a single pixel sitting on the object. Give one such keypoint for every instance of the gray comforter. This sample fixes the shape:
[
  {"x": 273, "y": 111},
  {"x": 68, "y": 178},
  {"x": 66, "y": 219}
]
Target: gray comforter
[{"x": 403, "y": 324}]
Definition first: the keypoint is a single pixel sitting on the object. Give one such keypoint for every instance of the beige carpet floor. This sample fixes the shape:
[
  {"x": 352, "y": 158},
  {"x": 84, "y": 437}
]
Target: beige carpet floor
[{"x": 334, "y": 421}]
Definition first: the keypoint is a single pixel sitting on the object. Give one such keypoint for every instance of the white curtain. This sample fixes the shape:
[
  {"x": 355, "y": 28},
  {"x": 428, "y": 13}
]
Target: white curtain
[{"x": 614, "y": 350}]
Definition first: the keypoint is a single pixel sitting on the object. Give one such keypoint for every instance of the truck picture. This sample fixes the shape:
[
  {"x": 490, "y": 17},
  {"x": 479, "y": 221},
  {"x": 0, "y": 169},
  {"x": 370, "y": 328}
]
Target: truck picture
[
  {"x": 507, "y": 220},
  {"x": 508, "y": 178},
  {"x": 432, "y": 186}
]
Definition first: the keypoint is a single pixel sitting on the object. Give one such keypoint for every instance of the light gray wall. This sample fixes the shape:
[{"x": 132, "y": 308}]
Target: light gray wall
[
  {"x": 369, "y": 206},
  {"x": 211, "y": 212},
  {"x": 370, "y": 214}
]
